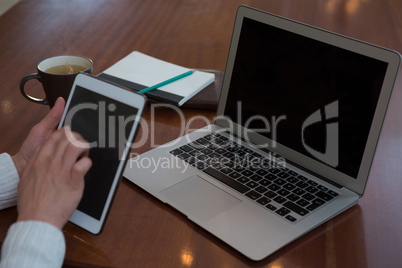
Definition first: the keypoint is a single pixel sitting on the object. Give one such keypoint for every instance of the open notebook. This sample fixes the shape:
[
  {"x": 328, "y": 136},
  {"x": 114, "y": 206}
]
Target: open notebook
[{"x": 138, "y": 71}]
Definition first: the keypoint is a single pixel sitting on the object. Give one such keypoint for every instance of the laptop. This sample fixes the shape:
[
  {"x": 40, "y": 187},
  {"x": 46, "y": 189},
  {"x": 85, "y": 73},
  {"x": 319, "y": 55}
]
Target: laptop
[{"x": 298, "y": 120}]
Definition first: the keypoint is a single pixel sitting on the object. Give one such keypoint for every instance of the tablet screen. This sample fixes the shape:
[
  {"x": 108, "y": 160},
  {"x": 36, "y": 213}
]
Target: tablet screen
[{"x": 106, "y": 125}]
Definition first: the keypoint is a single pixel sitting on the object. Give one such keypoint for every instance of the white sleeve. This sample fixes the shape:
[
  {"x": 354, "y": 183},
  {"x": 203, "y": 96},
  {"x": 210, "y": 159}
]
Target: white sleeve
[
  {"x": 8, "y": 182},
  {"x": 33, "y": 244}
]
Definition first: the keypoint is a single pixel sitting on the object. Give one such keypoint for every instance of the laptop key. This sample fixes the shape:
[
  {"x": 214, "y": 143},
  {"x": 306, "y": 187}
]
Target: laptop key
[
  {"x": 212, "y": 146},
  {"x": 186, "y": 148},
  {"x": 308, "y": 196},
  {"x": 249, "y": 151},
  {"x": 195, "y": 153},
  {"x": 298, "y": 191},
  {"x": 311, "y": 189},
  {"x": 207, "y": 151},
  {"x": 301, "y": 184},
  {"x": 183, "y": 156},
  {"x": 203, "y": 141},
  {"x": 292, "y": 179},
  {"x": 247, "y": 173},
  {"x": 293, "y": 197},
  {"x": 324, "y": 196},
  {"x": 252, "y": 184},
  {"x": 315, "y": 204},
  {"x": 300, "y": 177},
  {"x": 271, "y": 177},
  {"x": 228, "y": 154},
  {"x": 243, "y": 180},
  {"x": 264, "y": 182},
  {"x": 221, "y": 151},
  {"x": 208, "y": 137},
  {"x": 263, "y": 200},
  {"x": 262, "y": 172},
  {"x": 322, "y": 188},
  {"x": 231, "y": 148},
  {"x": 283, "y": 175},
  {"x": 283, "y": 192},
  {"x": 202, "y": 157},
  {"x": 274, "y": 170},
  {"x": 235, "y": 175},
  {"x": 261, "y": 189},
  {"x": 229, "y": 163},
  {"x": 200, "y": 165},
  {"x": 256, "y": 155},
  {"x": 274, "y": 187},
  {"x": 283, "y": 211},
  {"x": 271, "y": 207},
  {"x": 295, "y": 208},
  {"x": 332, "y": 193},
  {"x": 253, "y": 195},
  {"x": 279, "y": 199},
  {"x": 239, "y": 153},
  {"x": 302, "y": 202},
  {"x": 226, "y": 180},
  {"x": 270, "y": 194},
  {"x": 256, "y": 177},
  {"x": 176, "y": 151},
  {"x": 291, "y": 172},
  {"x": 214, "y": 155},
  {"x": 280, "y": 182},
  {"x": 290, "y": 218},
  {"x": 191, "y": 160},
  {"x": 313, "y": 183},
  {"x": 196, "y": 145},
  {"x": 289, "y": 186},
  {"x": 226, "y": 170}
]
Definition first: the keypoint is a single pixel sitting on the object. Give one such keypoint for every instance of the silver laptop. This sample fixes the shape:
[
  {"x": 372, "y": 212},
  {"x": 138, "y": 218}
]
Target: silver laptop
[{"x": 299, "y": 117}]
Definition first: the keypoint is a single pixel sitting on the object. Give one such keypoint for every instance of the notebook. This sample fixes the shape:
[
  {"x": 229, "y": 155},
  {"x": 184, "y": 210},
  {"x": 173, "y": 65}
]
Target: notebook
[
  {"x": 138, "y": 71},
  {"x": 297, "y": 125}
]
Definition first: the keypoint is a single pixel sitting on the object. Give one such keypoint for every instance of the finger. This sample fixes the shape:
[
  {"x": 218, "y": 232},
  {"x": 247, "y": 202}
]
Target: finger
[
  {"x": 77, "y": 174},
  {"x": 52, "y": 119},
  {"x": 50, "y": 147},
  {"x": 74, "y": 151},
  {"x": 80, "y": 168},
  {"x": 75, "y": 138}
]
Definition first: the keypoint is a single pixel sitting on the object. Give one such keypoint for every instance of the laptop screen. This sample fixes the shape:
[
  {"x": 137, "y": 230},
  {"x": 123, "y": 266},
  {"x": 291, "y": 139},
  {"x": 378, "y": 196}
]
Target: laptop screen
[{"x": 312, "y": 97}]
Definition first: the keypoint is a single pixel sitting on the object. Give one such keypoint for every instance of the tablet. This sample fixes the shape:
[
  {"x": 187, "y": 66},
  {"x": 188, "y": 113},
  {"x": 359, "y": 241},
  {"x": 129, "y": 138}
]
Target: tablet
[{"x": 107, "y": 116}]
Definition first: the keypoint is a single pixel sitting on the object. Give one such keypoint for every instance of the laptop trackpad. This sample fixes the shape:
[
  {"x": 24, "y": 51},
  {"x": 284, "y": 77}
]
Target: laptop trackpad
[{"x": 199, "y": 198}]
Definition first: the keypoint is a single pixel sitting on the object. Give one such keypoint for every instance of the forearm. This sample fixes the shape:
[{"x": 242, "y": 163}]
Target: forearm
[
  {"x": 33, "y": 244},
  {"x": 8, "y": 182}
]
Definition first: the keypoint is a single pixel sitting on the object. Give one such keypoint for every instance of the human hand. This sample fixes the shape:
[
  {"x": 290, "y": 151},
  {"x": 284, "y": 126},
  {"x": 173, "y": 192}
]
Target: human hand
[
  {"x": 38, "y": 134},
  {"x": 52, "y": 184}
]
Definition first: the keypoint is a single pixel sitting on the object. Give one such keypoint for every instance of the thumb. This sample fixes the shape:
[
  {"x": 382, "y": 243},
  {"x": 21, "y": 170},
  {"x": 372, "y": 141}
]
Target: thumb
[{"x": 52, "y": 119}]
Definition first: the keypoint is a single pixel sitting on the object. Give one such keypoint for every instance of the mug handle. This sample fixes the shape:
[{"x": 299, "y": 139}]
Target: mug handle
[{"x": 22, "y": 84}]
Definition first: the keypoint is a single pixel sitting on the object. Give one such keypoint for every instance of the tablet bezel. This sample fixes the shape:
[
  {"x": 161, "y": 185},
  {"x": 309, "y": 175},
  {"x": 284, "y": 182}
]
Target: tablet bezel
[{"x": 120, "y": 94}]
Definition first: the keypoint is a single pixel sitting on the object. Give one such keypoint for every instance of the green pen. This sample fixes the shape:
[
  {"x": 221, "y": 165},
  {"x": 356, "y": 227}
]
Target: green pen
[{"x": 165, "y": 82}]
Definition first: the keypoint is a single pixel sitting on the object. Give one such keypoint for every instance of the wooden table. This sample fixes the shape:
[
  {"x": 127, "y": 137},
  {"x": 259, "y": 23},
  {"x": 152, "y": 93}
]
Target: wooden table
[{"x": 143, "y": 232}]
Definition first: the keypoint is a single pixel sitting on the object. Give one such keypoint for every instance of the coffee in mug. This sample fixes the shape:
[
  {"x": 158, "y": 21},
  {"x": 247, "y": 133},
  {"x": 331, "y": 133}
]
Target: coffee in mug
[{"x": 57, "y": 76}]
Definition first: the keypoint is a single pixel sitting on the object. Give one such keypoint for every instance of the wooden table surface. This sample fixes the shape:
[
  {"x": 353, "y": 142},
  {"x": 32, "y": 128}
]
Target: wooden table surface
[{"x": 142, "y": 232}]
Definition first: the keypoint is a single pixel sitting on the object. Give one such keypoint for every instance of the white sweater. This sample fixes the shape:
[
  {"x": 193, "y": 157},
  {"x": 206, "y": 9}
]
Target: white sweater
[{"x": 28, "y": 243}]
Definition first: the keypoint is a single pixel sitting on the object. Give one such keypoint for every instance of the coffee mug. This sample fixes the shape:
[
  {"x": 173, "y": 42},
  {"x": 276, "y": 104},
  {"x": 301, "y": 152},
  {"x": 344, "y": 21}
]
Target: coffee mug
[{"x": 57, "y": 76}]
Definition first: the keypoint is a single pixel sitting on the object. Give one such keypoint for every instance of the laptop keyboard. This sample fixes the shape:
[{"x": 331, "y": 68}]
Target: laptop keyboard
[{"x": 275, "y": 187}]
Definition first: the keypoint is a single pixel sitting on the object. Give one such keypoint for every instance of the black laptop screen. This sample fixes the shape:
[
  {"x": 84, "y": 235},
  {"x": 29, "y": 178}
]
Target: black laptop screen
[{"x": 312, "y": 97}]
